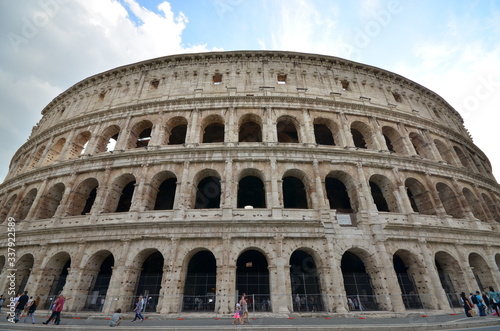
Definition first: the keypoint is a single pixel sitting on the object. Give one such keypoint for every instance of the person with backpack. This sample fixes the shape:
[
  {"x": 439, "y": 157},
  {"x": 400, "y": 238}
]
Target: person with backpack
[
  {"x": 480, "y": 304},
  {"x": 494, "y": 299},
  {"x": 31, "y": 310}
]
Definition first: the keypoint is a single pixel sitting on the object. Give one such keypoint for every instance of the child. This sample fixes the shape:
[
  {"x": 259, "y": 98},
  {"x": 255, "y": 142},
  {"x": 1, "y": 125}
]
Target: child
[{"x": 236, "y": 316}]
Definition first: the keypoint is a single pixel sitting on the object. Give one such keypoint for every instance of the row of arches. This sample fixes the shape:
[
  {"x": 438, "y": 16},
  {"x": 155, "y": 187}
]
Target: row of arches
[
  {"x": 252, "y": 128},
  {"x": 200, "y": 284},
  {"x": 340, "y": 191}
]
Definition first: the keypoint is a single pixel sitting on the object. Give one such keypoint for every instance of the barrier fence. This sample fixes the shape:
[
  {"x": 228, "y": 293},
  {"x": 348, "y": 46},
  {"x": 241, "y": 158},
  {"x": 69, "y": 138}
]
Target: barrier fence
[{"x": 309, "y": 303}]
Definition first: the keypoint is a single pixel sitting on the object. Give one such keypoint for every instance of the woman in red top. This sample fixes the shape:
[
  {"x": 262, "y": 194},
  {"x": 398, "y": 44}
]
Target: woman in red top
[{"x": 56, "y": 312}]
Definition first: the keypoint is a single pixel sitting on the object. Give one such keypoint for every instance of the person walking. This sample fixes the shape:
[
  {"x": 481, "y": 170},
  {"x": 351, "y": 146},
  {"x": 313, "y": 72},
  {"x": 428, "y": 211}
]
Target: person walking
[
  {"x": 31, "y": 310},
  {"x": 494, "y": 299},
  {"x": 468, "y": 306},
  {"x": 56, "y": 312},
  {"x": 21, "y": 304},
  {"x": 2, "y": 299},
  {"x": 480, "y": 305},
  {"x": 138, "y": 309}
]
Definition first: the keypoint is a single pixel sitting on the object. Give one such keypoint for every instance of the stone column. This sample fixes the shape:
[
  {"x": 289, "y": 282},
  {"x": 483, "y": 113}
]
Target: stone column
[
  {"x": 378, "y": 137},
  {"x": 410, "y": 149},
  {"x": 402, "y": 197},
  {"x": 334, "y": 296},
  {"x": 226, "y": 277},
  {"x": 345, "y": 131},
  {"x": 172, "y": 302},
  {"x": 307, "y": 135},
  {"x": 434, "y": 285},
  {"x": 34, "y": 206},
  {"x": 440, "y": 211},
  {"x": 463, "y": 201}
]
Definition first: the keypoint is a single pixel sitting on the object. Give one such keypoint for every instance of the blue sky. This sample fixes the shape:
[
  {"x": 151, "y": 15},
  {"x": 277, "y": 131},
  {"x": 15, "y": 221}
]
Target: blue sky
[{"x": 451, "y": 47}]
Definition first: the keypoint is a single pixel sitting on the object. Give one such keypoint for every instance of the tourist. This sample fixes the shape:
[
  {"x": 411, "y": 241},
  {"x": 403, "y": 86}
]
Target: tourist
[
  {"x": 21, "y": 304},
  {"x": 480, "y": 305},
  {"x": 31, "y": 310},
  {"x": 236, "y": 316},
  {"x": 468, "y": 306},
  {"x": 138, "y": 309},
  {"x": 116, "y": 318},
  {"x": 56, "y": 311},
  {"x": 2, "y": 299},
  {"x": 494, "y": 299}
]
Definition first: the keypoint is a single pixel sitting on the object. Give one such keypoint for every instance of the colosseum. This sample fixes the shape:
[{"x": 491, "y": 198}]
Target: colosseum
[{"x": 312, "y": 183}]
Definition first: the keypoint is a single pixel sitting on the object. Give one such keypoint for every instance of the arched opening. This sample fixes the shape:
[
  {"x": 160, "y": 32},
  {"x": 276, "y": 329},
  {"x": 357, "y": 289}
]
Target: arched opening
[
  {"x": 481, "y": 271},
  {"x": 449, "y": 200},
  {"x": 252, "y": 278},
  {"x": 36, "y": 157},
  {"x": 382, "y": 192},
  {"x": 420, "y": 145},
  {"x": 79, "y": 145},
  {"x": 208, "y": 193},
  {"x": 125, "y": 201},
  {"x": 143, "y": 138},
  {"x": 358, "y": 139},
  {"x": 84, "y": 197},
  {"x": 378, "y": 197},
  {"x": 26, "y": 204},
  {"x": 251, "y": 192},
  {"x": 149, "y": 284},
  {"x": 451, "y": 277},
  {"x": 444, "y": 151},
  {"x": 107, "y": 140},
  {"x": 357, "y": 283},
  {"x": 99, "y": 283},
  {"x": 462, "y": 157},
  {"x": 199, "y": 288},
  {"x": 49, "y": 203},
  {"x": 54, "y": 152},
  {"x": 166, "y": 195},
  {"x": 23, "y": 272},
  {"x": 337, "y": 195},
  {"x": 177, "y": 127},
  {"x": 323, "y": 135},
  {"x": 287, "y": 131},
  {"x": 304, "y": 280},
  {"x": 393, "y": 140},
  {"x": 213, "y": 133},
  {"x": 474, "y": 204},
  {"x": 409, "y": 291},
  {"x": 420, "y": 197},
  {"x": 250, "y": 132},
  {"x": 294, "y": 193},
  {"x": 55, "y": 277},
  {"x": 362, "y": 135},
  {"x": 7, "y": 207},
  {"x": 493, "y": 209}
]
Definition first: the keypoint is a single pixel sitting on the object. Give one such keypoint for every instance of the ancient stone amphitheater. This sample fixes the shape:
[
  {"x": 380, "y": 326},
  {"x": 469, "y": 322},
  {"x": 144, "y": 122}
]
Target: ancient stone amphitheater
[{"x": 309, "y": 182}]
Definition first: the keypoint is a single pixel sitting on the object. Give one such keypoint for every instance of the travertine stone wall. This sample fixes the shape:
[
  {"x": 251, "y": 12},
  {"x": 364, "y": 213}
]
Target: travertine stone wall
[{"x": 161, "y": 157}]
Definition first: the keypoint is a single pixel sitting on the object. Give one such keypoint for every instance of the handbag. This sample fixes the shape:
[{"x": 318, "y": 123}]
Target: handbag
[{"x": 472, "y": 312}]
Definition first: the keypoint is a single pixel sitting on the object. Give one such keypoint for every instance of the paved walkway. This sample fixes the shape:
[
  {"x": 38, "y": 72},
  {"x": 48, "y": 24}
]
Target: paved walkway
[{"x": 357, "y": 321}]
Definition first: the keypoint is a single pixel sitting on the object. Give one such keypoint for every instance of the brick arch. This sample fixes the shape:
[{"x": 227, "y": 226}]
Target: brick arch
[
  {"x": 26, "y": 205},
  {"x": 250, "y": 128},
  {"x": 350, "y": 185},
  {"x": 363, "y": 135},
  {"x": 296, "y": 189},
  {"x": 287, "y": 129},
  {"x": 79, "y": 145},
  {"x": 140, "y": 134},
  {"x": 327, "y": 132},
  {"x": 420, "y": 197},
  {"x": 35, "y": 160},
  {"x": 474, "y": 204},
  {"x": 451, "y": 275},
  {"x": 481, "y": 270},
  {"x": 54, "y": 152},
  {"x": 212, "y": 129},
  {"x": 115, "y": 193},
  {"x": 176, "y": 129},
  {"x": 158, "y": 192},
  {"x": 50, "y": 201},
  {"x": 421, "y": 146},
  {"x": 444, "y": 151},
  {"x": 413, "y": 282},
  {"x": 54, "y": 275},
  {"x": 207, "y": 189}
]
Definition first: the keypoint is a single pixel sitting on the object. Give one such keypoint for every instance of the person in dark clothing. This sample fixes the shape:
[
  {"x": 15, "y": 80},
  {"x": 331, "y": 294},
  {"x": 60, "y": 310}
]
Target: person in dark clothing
[
  {"x": 23, "y": 299},
  {"x": 466, "y": 304}
]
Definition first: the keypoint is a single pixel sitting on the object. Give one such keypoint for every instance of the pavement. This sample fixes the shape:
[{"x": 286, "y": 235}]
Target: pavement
[{"x": 262, "y": 321}]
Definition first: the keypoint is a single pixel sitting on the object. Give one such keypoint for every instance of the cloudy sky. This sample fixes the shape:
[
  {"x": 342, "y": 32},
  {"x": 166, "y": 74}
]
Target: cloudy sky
[{"x": 451, "y": 47}]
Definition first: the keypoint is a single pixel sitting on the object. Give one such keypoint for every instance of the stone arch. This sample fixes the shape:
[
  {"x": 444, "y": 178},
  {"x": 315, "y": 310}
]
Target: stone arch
[
  {"x": 50, "y": 201},
  {"x": 451, "y": 276},
  {"x": 464, "y": 160},
  {"x": 208, "y": 189},
  {"x": 250, "y": 128},
  {"x": 212, "y": 129},
  {"x": 393, "y": 140},
  {"x": 79, "y": 145},
  {"x": 305, "y": 282},
  {"x": 251, "y": 189},
  {"x": 150, "y": 262},
  {"x": 26, "y": 204},
  {"x": 252, "y": 274},
  {"x": 95, "y": 279},
  {"x": 383, "y": 194},
  {"x": 482, "y": 272},
  {"x": 444, "y": 151},
  {"x": 362, "y": 135},
  {"x": 107, "y": 140},
  {"x": 140, "y": 134},
  {"x": 358, "y": 280},
  {"x": 162, "y": 193},
  {"x": 450, "y": 201},
  {"x": 341, "y": 192},
  {"x": 421, "y": 146},
  {"x": 493, "y": 209},
  {"x": 6, "y": 208},
  {"x": 286, "y": 129},
  {"x": 410, "y": 272},
  {"x": 295, "y": 189},
  {"x": 201, "y": 279},
  {"x": 176, "y": 131},
  {"x": 36, "y": 157},
  {"x": 24, "y": 265},
  {"x": 55, "y": 273},
  {"x": 474, "y": 204},
  {"x": 326, "y": 132},
  {"x": 420, "y": 197},
  {"x": 54, "y": 152},
  {"x": 83, "y": 197},
  {"x": 121, "y": 194}
]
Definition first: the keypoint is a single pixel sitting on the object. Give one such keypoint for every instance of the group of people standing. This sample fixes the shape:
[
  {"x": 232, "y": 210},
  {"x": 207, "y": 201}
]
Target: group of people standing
[{"x": 481, "y": 303}]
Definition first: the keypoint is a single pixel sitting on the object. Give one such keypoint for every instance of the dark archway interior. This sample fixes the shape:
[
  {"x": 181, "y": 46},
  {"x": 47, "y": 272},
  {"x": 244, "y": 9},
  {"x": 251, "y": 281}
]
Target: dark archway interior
[
  {"x": 200, "y": 287},
  {"x": 294, "y": 193},
  {"x": 208, "y": 194},
  {"x": 126, "y": 198},
  {"x": 214, "y": 133},
  {"x": 250, "y": 132},
  {"x": 178, "y": 135},
  {"x": 90, "y": 201},
  {"x": 337, "y": 195},
  {"x": 149, "y": 284},
  {"x": 252, "y": 275},
  {"x": 323, "y": 135},
  {"x": 251, "y": 192},
  {"x": 166, "y": 195},
  {"x": 358, "y": 139},
  {"x": 378, "y": 197}
]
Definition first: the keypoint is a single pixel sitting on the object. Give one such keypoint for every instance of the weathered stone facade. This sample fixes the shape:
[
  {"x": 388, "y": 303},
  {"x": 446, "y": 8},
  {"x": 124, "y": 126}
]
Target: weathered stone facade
[{"x": 274, "y": 173}]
